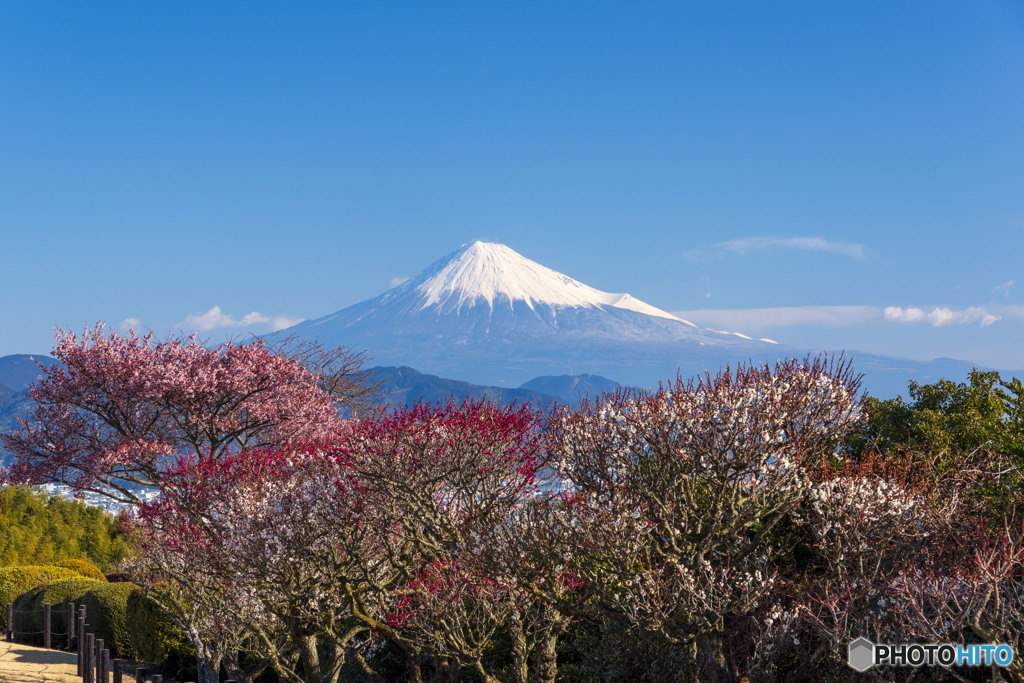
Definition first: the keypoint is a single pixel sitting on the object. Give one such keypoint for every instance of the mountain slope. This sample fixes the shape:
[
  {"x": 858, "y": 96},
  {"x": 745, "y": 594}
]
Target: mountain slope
[
  {"x": 571, "y": 388},
  {"x": 20, "y": 371},
  {"x": 488, "y": 315},
  {"x": 407, "y": 386}
]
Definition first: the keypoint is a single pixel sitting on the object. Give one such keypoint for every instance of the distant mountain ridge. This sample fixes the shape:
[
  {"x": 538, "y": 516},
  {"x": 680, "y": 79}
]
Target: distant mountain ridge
[
  {"x": 487, "y": 315},
  {"x": 19, "y": 371},
  {"x": 571, "y": 388},
  {"x": 399, "y": 386},
  {"x": 407, "y": 386}
]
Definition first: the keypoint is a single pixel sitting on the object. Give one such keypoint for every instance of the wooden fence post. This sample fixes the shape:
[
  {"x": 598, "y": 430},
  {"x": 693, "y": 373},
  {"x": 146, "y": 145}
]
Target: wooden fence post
[
  {"x": 157, "y": 678},
  {"x": 115, "y": 665},
  {"x": 9, "y": 630},
  {"x": 104, "y": 667},
  {"x": 97, "y": 662},
  {"x": 46, "y": 625},
  {"x": 140, "y": 675},
  {"x": 89, "y": 650},
  {"x": 81, "y": 643},
  {"x": 71, "y": 627}
]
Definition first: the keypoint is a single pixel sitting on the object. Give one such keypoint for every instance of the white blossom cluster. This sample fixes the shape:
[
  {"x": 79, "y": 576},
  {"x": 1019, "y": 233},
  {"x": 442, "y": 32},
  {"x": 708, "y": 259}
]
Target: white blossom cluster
[{"x": 840, "y": 503}]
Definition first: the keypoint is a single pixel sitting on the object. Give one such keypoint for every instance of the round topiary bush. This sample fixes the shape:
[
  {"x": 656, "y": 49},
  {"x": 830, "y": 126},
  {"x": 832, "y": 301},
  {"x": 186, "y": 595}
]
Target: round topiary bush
[
  {"x": 83, "y": 567},
  {"x": 16, "y": 580},
  {"x": 155, "y": 638},
  {"x": 105, "y": 611},
  {"x": 28, "y": 609}
]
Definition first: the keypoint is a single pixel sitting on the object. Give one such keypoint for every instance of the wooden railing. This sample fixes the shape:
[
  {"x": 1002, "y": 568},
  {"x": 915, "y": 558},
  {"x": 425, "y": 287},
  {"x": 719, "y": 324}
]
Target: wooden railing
[{"x": 94, "y": 662}]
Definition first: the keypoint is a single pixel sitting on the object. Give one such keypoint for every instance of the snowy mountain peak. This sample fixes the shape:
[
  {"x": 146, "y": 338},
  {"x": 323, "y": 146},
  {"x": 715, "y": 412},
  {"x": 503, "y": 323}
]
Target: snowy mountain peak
[
  {"x": 489, "y": 315},
  {"x": 482, "y": 271}
]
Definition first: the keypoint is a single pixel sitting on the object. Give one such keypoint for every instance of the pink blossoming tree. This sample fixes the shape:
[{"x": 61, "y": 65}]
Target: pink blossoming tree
[{"x": 115, "y": 406}]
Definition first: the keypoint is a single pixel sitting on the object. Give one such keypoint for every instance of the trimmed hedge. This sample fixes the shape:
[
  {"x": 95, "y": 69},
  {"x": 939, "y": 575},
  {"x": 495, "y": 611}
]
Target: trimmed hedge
[
  {"x": 154, "y": 636},
  {"x": 83, "y": 567},
  {"x": 28, "y": 608},
  {"x": 105, "y": 610},
  {"x": 130, "y": 624},
  {"x": 106, "y": 607},
  {"x": 16, "y": 580}
]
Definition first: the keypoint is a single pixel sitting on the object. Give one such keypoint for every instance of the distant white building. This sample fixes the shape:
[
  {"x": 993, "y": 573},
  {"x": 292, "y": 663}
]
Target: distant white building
[{"x": 94, "y": 499}]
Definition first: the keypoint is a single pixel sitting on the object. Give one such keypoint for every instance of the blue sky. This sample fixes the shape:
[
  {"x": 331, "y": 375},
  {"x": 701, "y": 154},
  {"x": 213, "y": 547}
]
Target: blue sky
[{"x": 829, "y": 175}]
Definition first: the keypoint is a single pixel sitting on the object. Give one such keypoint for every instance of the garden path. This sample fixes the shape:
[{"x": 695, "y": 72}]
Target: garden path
[{"x": 26, "y": 664}]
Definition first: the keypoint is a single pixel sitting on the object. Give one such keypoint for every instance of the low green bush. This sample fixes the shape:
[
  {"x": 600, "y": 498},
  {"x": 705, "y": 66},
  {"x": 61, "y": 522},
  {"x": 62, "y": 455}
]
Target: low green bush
[
  {"x": 105, "y": 611},
  {"x": 106, "y": 608},
  {"x": 155, "y": 638},
  {"x": 16, "y": 580},
  {"x": 28, "y": 609},
  {"x": 83, "y": 567}
]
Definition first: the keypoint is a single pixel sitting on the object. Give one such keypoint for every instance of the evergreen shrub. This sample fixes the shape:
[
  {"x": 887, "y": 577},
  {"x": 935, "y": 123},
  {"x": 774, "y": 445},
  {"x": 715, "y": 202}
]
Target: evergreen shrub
[
  {"x": 154, "y": 637},
  {"x": 16, "y": 580},
  {"x": 83, "y": 567}
]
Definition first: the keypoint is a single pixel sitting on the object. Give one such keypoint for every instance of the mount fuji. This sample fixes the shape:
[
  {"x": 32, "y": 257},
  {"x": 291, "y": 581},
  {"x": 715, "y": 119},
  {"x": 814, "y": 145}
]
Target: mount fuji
[{"x": 488, "y": 315}]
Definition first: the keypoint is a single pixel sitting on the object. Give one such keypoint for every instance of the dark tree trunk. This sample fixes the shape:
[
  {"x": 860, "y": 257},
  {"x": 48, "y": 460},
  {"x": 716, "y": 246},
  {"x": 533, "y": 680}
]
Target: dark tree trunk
[
  {"x": 547, "y": 656},
  {"x": 415, "y": 672},
  {"x": 207, "y": 667},
  {"x": 520, "y": 651},
  {"x": 711, "y": 663},
  {"x": 310, "y": 657}
]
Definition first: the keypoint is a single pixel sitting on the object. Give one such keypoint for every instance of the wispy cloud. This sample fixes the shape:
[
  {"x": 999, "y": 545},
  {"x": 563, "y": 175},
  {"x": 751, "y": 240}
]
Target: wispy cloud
[
  {"x": 748, "y": 245},
  {"x": 130, "y": 324},
  {"x": 940, "y": 316},
  {"x": 395, "y": 281},
  {"x": 1004, "y": 288},
  {"x": 935, "y": 316},
  {"x": 783, "y": 316},
  {"x": 215, "y": 318}
]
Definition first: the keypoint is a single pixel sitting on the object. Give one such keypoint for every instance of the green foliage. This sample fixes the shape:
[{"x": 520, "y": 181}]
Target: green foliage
[
  {"x": 968, "y": 426},
  {"x": 40, "y": 529},
  {"x": 154, "y": 637},
  {"x": 83, "y": 567},
  {"x": 28, "y": 608},
  {"x": 16, "y": 580},
  {"x": 949, "y": 417},
  {"x": 105, "y": 609}
]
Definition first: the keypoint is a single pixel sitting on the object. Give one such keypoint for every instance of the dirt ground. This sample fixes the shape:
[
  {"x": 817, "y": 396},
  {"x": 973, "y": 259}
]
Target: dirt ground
[{"x": 27, "y": 664}]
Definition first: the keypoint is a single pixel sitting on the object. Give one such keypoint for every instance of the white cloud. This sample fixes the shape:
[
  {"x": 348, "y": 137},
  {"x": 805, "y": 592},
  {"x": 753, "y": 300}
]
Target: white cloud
[
  {"x": 935, "y": 316},
  {"x": 782, "y": 316},
  {"x": 279, "y": 322},
  {"x": 214, "y": 318},
  {"x": 130, "y": 324},
  {"x": 752, "y": 244},
  {"x": 395, "y": 281},
  {"x": 939, "y": 316},
  {"x": 1004, "y": 288}
]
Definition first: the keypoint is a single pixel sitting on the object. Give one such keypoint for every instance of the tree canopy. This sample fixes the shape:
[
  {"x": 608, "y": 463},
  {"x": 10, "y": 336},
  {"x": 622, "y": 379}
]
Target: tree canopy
[
  {"x": 116, "y": 407},
  {"x": 40, "y": 529}
]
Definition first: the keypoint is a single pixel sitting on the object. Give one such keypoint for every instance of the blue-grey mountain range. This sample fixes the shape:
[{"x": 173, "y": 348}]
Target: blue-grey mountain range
[
  {"x": 487, "y": 315},
  {"x": 485, "y": 321}
]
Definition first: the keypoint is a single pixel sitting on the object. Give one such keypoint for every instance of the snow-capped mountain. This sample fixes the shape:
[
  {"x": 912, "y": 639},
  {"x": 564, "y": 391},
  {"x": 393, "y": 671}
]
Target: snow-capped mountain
[{"x": 487, "y": 314}]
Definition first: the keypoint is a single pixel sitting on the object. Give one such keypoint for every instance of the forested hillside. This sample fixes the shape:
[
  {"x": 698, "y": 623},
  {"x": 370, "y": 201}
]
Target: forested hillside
[{"x": 39, "y": 529}]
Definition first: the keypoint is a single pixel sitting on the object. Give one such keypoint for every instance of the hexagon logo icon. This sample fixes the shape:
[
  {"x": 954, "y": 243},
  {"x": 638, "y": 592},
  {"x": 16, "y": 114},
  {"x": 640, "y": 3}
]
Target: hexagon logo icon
[{"x": 861, "y": 655}]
